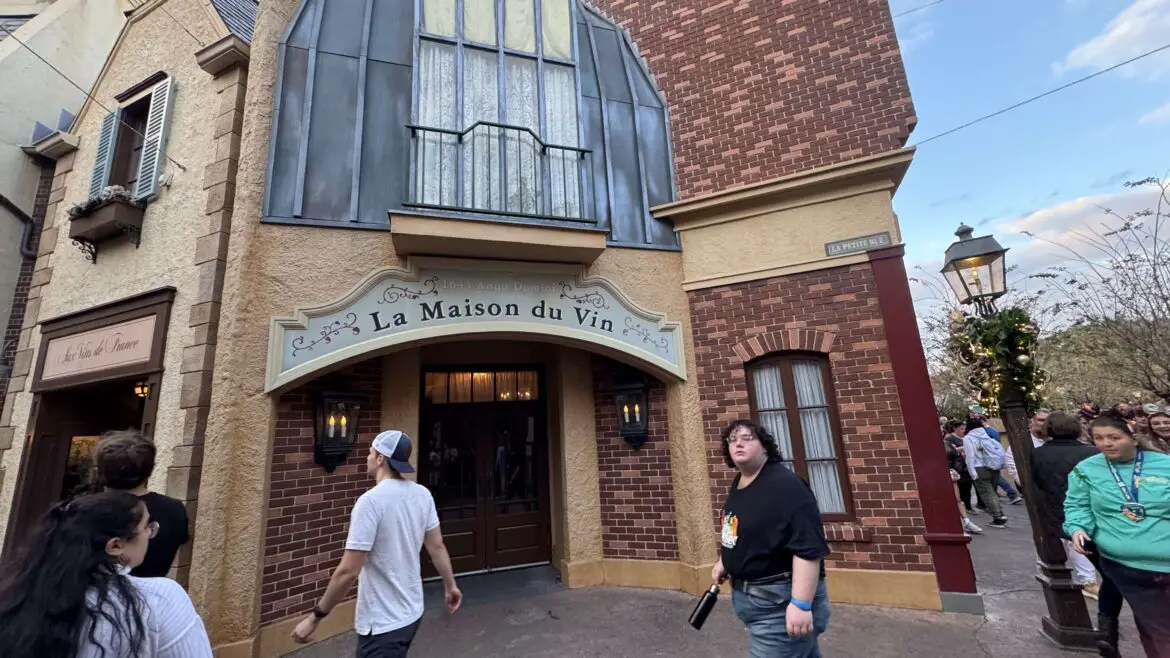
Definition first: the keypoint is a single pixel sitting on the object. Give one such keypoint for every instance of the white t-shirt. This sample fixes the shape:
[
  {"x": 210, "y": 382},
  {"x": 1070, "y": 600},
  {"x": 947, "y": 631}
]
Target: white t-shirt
[
  {"x": 173, "y": 628},
  {"x": 389, "y": 522}
]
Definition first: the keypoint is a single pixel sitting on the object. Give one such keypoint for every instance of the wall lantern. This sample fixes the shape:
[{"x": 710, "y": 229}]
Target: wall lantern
[
  {"x": 976, "y": 269},
  {"x": 633, "y": 407},
  {"x": 337, "y": 421},
  {"x": 142, "y": 389}
]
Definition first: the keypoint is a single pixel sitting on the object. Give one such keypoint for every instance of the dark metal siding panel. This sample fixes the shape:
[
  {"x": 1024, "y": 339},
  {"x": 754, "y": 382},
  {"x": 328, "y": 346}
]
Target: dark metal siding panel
[
  {"x": 628, "y": 219},
  {"x": 385, "y": 142},
  {"x": 282, "y": 177},
  {"x": 301, "y": 35},
  {"x": 392, "y": 39},
  {"x": 652, "y": 139},
  {"x": 591, "y": 118},
  {"x": 610, "y": 68},
  {"x": 329, "y": 168},
  {"x": 342, "y": 27}
]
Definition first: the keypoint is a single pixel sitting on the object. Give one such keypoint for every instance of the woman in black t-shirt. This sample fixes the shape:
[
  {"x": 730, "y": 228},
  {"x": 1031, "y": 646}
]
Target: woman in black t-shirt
[{"x": 773, "y": 544}]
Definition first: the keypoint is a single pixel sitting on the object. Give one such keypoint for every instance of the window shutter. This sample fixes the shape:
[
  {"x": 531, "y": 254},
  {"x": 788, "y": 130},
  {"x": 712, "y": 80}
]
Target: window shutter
[
  {"x": 155, "y": 140},
  {"x": 105, "y": 154}
]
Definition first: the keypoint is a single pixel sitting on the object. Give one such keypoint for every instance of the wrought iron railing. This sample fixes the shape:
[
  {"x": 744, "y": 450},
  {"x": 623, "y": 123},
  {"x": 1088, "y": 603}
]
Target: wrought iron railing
[{"x": 499, "y": 169}]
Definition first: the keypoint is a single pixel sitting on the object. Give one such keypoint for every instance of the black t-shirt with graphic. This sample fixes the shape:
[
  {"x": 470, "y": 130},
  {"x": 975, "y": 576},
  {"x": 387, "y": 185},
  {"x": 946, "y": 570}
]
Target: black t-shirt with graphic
[
  {"x": 769, "y": 521},
  {"x": 172, "y": 534}
]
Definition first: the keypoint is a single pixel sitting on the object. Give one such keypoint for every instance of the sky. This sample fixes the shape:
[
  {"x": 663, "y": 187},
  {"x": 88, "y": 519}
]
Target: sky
[{"x": 1049, "y": 166}]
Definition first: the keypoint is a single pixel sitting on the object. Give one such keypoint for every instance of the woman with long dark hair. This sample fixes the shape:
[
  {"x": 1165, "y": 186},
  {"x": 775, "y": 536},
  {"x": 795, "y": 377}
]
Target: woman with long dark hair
[
  {"x": 68, "y": 594},
  {"x": 1120, "y": 500}
]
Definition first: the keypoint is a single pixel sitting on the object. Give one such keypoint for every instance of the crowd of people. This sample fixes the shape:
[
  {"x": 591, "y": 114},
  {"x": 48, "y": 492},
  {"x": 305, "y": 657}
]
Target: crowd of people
[{"x": 1103, "y": 477}]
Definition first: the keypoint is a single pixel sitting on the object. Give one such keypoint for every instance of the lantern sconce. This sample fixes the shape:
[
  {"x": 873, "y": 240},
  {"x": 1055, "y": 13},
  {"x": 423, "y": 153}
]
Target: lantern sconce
[
  {"x": 633, "y": 407},
  {"x": 142, "y": 389},
  {"x": 337, "y": 421}
]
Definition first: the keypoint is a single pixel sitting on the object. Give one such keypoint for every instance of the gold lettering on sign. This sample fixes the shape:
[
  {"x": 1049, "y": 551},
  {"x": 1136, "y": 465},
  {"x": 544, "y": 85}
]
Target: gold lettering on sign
[{"x": 115, "y": 346}]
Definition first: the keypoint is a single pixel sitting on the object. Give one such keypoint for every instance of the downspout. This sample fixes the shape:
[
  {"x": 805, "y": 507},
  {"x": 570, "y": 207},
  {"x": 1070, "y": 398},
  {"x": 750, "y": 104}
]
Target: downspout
[{"x": 29, "y": 226}]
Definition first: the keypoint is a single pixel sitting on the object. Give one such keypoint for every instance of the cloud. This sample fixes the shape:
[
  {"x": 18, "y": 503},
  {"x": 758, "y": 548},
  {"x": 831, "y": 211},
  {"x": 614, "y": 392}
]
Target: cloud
[
  {"x": 1066, "y": 225},
  {"x": 1140, "y": 27},
  {"x": 913, "y": 29},
  {"x": 1157, "y": 115}
]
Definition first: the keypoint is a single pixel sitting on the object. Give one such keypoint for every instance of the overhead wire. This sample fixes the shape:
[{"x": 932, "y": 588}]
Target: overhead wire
[
  {"x": 1043, "y": 95},
  {"x": 918, "y": 8}
]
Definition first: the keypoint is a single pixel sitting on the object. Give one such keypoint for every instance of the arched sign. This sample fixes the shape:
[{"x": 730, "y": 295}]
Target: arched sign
[{"x": 443, "y": 298}]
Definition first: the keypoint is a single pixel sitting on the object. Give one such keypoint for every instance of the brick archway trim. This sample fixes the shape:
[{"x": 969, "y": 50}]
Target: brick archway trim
[{"x": 808, "y": 340}]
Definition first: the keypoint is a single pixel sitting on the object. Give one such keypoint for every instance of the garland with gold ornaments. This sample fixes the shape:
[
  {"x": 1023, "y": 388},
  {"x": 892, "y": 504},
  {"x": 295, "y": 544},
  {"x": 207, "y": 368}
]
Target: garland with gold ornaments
[{"x": 999, "y": 352}]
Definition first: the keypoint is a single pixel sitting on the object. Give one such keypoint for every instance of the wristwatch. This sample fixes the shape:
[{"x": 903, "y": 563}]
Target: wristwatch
[{"x": 319, "y": 613}]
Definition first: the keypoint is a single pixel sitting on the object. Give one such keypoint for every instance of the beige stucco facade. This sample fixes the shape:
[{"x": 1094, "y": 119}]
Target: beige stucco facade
[
  {"x": 68, "y": 283},
  {"x": 75, "y": 36}
]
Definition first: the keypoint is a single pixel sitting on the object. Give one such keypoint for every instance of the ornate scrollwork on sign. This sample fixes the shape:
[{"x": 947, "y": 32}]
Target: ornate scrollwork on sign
[
  {"x": 594, "y": 299},
  {"x": 638, "y": 330},
  {"x": 395, "y": 292},
  {"x": 327, "y": 333}
]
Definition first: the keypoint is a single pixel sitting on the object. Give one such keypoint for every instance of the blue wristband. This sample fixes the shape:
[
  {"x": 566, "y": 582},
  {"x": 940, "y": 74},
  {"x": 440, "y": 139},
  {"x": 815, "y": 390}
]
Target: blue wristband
[{"x": 803, "y": 605}]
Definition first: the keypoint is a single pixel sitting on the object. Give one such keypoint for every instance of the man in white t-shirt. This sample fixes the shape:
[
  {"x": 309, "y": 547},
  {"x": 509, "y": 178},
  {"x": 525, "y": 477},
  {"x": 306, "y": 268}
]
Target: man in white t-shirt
[{"x": 388, "y": 527}]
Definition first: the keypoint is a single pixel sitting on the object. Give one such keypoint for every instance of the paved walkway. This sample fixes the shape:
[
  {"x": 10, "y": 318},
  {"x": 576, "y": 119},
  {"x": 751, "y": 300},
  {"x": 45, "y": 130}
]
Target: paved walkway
[{"x": 529, "y": 614}]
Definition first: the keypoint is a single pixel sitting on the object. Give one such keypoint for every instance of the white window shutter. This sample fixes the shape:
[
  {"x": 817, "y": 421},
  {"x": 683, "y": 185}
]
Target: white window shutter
[
  {"x": 154, "y": 144},
  {"x": 105, "y": 154}
]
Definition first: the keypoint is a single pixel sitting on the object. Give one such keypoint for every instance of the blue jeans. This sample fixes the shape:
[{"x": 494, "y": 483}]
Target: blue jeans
[
  {"x": 762, "y": 608},
  {"x": 1007, "y": 487}
]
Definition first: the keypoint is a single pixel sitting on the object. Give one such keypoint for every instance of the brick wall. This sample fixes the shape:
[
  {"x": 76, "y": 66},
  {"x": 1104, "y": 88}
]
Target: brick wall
[
  {"x": 637, "y": 498},
  {"x": 24, "y": 279},
  {"x": 308, "y": 509},
  {"x": 799, "y": 83},
  {"x": 842, "y": 301}
]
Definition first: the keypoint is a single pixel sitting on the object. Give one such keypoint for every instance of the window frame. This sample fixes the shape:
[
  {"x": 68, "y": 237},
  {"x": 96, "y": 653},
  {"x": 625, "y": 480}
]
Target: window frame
[
  {"x": 785, "y": 361},
  {"x": 502, "y": 53}
]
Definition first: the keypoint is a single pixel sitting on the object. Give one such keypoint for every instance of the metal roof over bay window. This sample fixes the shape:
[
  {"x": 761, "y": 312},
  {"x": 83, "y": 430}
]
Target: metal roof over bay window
[{"x": 520, "y": 111}]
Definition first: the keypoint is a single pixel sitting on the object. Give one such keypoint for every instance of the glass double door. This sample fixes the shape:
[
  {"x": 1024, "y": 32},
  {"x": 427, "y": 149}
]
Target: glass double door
[{"x": 486, "y": 466}]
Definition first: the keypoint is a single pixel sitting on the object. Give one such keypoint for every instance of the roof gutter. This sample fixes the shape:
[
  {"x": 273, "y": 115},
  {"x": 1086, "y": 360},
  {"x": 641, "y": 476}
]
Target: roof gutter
[{"x": 30, "y": 227}]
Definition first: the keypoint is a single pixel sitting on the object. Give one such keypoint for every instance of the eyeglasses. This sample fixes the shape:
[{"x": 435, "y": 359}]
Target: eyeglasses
[
  {"x": 746, "y": 438},
  {"x": 152, "y": 529}
]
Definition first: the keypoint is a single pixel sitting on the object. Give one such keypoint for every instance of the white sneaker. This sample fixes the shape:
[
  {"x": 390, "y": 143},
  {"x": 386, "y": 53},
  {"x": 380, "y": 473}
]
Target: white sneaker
[{"x": 968, "y": 526}]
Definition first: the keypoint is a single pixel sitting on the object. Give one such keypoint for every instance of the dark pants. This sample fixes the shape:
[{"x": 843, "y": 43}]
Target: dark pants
[
  {"x": 394, "y": 644},
  {"x": 986, "y": 480},
  {"x": 1109, "y": 599},
  {"x": 1148, "y": 594},
  {"x": 965, "y": 485}
]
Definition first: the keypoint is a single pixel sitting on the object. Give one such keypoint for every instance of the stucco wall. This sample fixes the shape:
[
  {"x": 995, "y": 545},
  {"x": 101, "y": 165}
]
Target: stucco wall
[{"x": 171, "y": 223}]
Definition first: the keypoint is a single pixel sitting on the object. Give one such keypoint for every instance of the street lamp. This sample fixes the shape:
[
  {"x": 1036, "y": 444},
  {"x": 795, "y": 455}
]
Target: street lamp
[{"x": 976, "y": 270}]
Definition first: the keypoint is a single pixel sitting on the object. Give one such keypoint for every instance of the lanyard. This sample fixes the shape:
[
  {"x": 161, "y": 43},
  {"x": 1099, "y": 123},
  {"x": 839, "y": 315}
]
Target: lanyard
[{"x": 1130, "y": 493}]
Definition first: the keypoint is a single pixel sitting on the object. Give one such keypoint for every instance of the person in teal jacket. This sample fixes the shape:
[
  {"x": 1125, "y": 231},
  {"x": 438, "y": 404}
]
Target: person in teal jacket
[{"x": 1120, "y": 499}]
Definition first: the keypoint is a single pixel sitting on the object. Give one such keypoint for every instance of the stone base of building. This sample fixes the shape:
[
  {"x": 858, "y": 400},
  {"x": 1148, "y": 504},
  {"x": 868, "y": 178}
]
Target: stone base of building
[{"x": 894, "y": 589}]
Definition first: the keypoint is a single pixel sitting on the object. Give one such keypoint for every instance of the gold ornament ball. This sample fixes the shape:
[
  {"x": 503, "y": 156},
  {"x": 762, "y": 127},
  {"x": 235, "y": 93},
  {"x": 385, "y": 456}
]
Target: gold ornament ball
[{"x": 1024, "y": 359}]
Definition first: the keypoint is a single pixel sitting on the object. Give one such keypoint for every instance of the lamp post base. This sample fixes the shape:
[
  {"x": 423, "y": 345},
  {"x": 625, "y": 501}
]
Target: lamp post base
[
  {"x": 1068, "y": 624},
  {"x": 1069, "y": 638}
]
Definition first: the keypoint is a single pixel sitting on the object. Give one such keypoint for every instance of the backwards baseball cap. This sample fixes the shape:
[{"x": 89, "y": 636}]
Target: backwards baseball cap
[{"x": 395, "y": 446}]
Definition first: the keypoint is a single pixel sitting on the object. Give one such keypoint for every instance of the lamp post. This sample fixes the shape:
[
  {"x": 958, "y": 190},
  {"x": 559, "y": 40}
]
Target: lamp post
[{"x": 975, "y": 269}]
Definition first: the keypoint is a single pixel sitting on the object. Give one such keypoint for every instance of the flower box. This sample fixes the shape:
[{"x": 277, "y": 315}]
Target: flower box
[{"x": 106, "y": 220}]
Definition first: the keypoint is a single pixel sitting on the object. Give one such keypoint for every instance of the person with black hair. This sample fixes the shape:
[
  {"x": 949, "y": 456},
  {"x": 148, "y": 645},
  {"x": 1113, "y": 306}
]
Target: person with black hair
[
  {"x": 773, "y": 547},
  {"x": 125, "y": 462},
  {"x": 68, "y": 592},
  {"x": 1119, "y": 500}
]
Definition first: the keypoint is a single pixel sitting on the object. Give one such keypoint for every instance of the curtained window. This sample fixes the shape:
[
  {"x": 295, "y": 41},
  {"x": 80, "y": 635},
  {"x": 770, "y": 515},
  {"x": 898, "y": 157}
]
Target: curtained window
[
  {"x": 496, "y": 109},
  {"x": 792, "y": 396}
]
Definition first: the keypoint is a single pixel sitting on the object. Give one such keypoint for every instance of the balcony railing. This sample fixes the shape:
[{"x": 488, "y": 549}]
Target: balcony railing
[{"x": 499, "y": 169}]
